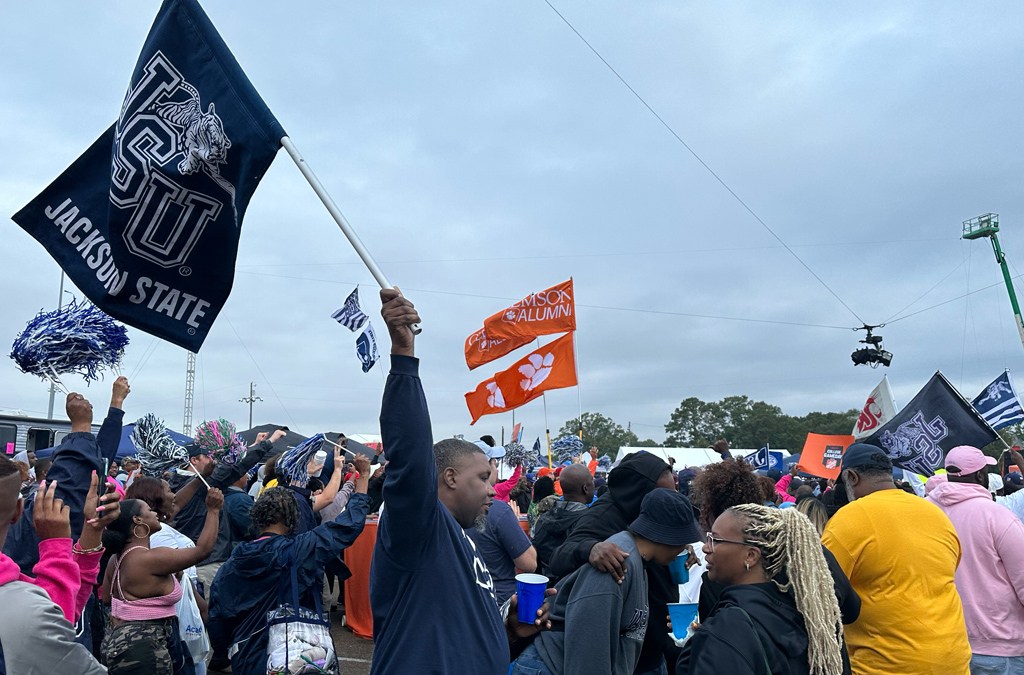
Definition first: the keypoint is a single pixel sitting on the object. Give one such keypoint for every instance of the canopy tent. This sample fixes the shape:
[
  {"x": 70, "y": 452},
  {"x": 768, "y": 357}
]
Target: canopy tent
[
  {"x": 125, "y": 448},
  {"x": 686, "y": 457},
  {"x": 289, "y": 440}
]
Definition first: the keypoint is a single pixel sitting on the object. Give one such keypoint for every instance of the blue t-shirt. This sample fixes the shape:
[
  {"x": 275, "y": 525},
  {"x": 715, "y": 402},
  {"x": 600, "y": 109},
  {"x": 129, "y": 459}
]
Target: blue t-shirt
[
  {"x": 434, "y": 611},
  {"x": 499, "y": 543}
]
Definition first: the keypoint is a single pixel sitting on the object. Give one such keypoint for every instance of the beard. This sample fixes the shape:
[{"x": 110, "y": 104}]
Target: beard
[
  {"x": 850, "y": 496},
  {"x": 481, "y": 522}
]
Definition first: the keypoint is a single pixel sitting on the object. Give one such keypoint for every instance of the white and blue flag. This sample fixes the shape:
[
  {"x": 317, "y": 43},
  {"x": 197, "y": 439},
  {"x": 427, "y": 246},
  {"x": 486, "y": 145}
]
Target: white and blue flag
[
  {"x": 760, "y": 459},
  {"x": 366, "y": 348},
  {"x": 998, "y": 403},
  {"x": 146, "y": 222},
  {"x": 351, "y": 315}
]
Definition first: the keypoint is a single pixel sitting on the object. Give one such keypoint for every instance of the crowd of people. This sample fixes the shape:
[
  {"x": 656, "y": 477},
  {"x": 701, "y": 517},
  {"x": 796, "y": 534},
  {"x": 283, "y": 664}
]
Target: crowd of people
[{"x": 238, "y": 564}]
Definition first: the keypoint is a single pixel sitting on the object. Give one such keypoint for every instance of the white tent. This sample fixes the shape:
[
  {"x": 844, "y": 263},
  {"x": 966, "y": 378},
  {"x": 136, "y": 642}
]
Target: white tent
[{"x": 689, "y": 456}]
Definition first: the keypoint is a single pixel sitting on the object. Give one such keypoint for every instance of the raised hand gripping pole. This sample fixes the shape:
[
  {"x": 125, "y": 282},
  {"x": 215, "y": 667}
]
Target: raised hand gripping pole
[{"x": 339, "y": 218}]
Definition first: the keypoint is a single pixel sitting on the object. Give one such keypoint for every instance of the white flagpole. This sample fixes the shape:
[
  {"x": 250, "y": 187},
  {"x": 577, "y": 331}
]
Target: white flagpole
[{"x": 339, "y": 218}]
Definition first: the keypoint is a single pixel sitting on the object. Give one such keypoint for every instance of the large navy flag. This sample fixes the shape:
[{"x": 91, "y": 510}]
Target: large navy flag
[
  {"x": 759, "y": 459},
  {"x": 918, "y": 437},
  {"x": 998, "y": 403},
  {"x": 147, "y": 221}
]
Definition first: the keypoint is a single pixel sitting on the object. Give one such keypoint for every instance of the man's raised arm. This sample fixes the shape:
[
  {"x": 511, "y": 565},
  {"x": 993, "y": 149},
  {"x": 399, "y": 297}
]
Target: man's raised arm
[
  {"x": 108, "y": 438},
  {"x": 410, "y": 482}
]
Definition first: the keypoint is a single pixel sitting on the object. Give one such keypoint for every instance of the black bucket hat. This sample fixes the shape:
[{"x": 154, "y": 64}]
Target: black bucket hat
[{"x": 666, "y": 517}]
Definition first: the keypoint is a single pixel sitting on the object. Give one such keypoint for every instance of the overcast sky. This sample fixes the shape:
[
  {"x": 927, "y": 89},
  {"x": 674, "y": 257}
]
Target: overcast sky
[{"x": 482, "y": 152}]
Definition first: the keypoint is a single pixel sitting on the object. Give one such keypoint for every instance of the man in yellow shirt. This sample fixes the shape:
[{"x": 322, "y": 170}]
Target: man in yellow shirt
[{"x": 901, "y": 554}]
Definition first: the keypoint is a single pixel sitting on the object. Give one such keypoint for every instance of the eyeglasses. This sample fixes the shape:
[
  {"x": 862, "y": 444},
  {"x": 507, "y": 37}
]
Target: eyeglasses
[{"x": 711, "y": 540}]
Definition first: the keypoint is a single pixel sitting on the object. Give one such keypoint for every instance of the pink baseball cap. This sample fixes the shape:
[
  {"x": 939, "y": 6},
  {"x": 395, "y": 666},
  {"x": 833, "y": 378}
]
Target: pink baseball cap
[{"x": 968, "y": 459}]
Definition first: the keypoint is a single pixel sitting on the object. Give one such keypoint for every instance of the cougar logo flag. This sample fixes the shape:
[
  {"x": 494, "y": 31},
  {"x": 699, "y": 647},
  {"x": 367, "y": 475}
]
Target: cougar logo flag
[
  {"x": 938, "y": 419},
  {"x": 999, "y": 404},
  {"x": 550, "y": 367},
  {"x": 550, "y": 311},
  {"x": 879, "y": 409},
  {"x": 147, "y": 221},
  {"x": 366, "y": 348},
  {"x": 481, "y": 348},
  {"x": 822, "y": 455}
]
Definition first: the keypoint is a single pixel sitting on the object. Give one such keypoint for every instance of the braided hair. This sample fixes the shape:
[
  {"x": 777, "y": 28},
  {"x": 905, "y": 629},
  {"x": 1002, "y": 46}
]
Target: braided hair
[
  {"x": 275, "y": 506},
  {"x": 789, "y": 544}
]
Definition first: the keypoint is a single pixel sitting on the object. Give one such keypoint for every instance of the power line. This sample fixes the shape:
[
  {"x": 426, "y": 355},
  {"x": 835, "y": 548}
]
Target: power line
[
  {"x": 616, "y": 309},
  {"x": 260, "y": 370},
  {"x": 722, "y": 249},
  {"x": 692, "y": 152}
]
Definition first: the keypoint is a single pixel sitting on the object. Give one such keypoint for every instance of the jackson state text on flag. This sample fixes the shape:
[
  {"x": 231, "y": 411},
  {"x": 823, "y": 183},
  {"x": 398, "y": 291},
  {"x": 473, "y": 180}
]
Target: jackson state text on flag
[
  {"x": 550, "y": 311},
  {"x": 147, "y": 221},
  {"x": 998, "y": 403},
  {"x": 482, "y": 348},
  {"x": 938, "y": 419}
]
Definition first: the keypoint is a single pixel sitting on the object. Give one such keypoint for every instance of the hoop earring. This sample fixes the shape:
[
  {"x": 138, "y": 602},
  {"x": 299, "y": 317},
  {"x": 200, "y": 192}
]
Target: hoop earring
[{"x": 135, "y": 532}]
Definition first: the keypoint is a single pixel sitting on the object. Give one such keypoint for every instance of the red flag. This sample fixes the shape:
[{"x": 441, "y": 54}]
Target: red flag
[
  {"x": 550, "y": 311},
  {"x": 552, "y": 366},
  {"x": 481, "y": 348}
]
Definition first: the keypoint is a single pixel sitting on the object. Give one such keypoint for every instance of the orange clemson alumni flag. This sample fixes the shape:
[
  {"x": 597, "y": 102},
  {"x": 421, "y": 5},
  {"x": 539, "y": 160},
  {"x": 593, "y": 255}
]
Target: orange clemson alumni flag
[
  {"x": 823, "y": 455},
  {"x": 552, "y": 310},
  {"x": 552, "y": 366},
  {"x": 481, "y": 348}
]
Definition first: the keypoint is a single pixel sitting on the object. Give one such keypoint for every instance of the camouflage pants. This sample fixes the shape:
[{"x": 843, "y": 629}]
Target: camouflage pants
[{"x": 146, "y": 648}]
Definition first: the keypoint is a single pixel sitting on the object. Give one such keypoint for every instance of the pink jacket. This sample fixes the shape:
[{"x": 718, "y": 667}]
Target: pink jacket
[
  {"x": 502, "y": 489},
  {"x": 66, "y": 577},
  {"x": 990, "y": 578},
  {"x": 782, "y": 486}
]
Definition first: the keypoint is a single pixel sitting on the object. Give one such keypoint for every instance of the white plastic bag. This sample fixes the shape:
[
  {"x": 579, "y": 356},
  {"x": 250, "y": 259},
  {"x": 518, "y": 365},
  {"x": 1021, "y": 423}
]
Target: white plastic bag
[
  {"x": 190, "y": 623},
  {"x": 299, "y": 643}
]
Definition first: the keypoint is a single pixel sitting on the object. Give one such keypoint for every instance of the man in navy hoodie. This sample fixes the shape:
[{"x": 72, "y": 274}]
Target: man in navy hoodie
[{"x": 433, "y": 599}]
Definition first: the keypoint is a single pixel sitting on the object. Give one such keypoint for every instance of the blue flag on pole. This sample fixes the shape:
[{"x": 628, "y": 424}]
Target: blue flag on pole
[
  {"x": 998, "y": 403},
  {"x": 147, "y": 221},
  {"x": 366, "y": 348},
  {"x": 937, "y": 420},
  {"x": 759, "y": 459},
  {"x": 351, "y": 315}
]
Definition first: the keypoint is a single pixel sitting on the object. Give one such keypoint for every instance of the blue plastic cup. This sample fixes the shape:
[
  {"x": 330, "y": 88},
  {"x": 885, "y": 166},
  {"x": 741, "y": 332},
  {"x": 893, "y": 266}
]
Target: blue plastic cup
[
  {"x": 680, "y": 574},
  {"x": 530, "y": 592},
  {"x": 681, "y": 614}
]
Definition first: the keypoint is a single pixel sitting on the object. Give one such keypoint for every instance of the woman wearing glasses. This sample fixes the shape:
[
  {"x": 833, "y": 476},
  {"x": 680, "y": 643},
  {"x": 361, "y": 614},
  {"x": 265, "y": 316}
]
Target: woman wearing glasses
[{"x": 777, "y": 614}]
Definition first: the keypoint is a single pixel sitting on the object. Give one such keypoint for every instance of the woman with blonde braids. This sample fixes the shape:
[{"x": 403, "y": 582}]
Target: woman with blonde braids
[{"x": 778, "y": 614}]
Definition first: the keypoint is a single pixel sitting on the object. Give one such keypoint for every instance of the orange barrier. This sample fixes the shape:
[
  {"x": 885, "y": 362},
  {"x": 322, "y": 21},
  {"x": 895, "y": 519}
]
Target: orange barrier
[{"x": 358, "y": 615}]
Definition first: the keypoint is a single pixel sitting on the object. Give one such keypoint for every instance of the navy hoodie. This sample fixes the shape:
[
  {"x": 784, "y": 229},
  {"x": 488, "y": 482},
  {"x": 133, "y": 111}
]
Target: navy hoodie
[
  {"x": 433, "y": 602},
  {"x": 257, "y": 579}
]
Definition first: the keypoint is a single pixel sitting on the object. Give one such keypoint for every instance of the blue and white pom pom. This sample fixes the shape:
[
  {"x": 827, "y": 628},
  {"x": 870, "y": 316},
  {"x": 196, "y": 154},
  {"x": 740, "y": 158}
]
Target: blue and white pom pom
[
  {"x": 158, "y": 453},
  {"x": 604, "y": 463},
  {"x": 517, "y": 454},
  {"x": 567, "y": 447},
  {"x": 294, "y": 461},
  {"x": 77, "y": 338}
]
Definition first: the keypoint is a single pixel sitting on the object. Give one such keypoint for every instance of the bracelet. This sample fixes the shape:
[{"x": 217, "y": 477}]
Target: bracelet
[{"x": 82, "y": 551}]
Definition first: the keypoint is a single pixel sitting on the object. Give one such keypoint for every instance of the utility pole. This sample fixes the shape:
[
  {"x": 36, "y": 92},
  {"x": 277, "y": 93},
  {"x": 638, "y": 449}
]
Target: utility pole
[
  {"x": 250, "y": 399},
  {"x": 190, "y": 385},
  {"x": 53, "y": 387},
  {"x": 987, "y": 225}
]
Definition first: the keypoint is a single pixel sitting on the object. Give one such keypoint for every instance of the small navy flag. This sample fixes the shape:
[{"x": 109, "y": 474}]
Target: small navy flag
[
  {"x": 998, "y": 403},
  {"x": 147, "y": 221},
  {"x": 366, "y": 348},
  {"x": 759, "y": 459},
  {"x": 351, "y": 315},
  {"x": 937, "y": 420}
]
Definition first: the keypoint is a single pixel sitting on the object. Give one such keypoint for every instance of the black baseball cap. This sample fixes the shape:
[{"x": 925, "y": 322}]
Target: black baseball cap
[
  {"x": 866, "y": 456},
  {"x": 666, "y": 517},
  {"x": 194, "y": 450}
]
